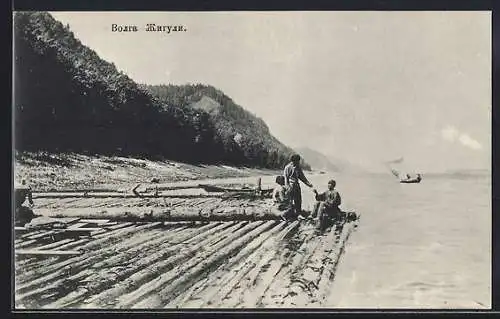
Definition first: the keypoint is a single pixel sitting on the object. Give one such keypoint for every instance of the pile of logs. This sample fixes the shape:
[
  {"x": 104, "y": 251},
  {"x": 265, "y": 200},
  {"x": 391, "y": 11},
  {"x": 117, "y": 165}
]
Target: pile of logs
[{"x": 211, "y": 203}]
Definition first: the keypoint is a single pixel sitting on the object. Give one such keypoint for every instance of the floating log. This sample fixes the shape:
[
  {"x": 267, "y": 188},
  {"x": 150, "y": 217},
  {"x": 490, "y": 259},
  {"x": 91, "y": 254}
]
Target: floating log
[{"x": 48, "y": 252}]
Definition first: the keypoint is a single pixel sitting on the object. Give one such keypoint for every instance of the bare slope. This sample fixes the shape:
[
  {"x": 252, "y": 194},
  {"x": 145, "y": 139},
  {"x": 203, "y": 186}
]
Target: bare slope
[{"x": 51, "y": 172}]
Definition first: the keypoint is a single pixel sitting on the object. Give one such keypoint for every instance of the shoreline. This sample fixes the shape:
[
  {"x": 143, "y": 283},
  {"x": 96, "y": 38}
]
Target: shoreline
[{"x": 46, "y": 172}]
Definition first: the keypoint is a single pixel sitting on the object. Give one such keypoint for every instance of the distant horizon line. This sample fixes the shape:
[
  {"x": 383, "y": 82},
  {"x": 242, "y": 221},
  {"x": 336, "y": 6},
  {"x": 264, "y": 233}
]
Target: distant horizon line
[{"x": 464, "y": 171}]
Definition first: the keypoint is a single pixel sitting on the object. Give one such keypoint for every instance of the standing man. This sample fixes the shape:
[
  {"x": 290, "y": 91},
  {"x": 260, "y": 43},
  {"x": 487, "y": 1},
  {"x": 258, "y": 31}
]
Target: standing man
[{"x": 293, "y": 173}]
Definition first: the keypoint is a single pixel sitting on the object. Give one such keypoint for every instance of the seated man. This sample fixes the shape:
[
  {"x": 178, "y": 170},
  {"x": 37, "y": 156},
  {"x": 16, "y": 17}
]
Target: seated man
[
  {"x": 23, "y": 214},
  {"x": 281, "y": 198},
  {"x": 327, "y": 202}
]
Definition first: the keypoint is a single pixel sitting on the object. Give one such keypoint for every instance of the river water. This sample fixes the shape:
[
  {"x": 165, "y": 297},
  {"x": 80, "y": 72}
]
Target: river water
[{"x": 424, "y": 245}]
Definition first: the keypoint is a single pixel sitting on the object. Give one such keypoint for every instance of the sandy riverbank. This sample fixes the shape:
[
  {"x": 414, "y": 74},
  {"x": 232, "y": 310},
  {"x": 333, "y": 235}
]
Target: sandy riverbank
[{"x": 54, "y": 172}]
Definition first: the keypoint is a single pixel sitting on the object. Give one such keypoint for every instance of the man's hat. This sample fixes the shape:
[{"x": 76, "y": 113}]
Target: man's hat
[{"x": 295, "y": 158}]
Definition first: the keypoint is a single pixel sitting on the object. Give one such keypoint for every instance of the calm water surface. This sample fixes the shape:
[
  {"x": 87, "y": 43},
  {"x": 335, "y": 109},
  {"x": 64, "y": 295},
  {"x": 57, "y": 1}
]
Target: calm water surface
[{"x": 424, "y": 245}]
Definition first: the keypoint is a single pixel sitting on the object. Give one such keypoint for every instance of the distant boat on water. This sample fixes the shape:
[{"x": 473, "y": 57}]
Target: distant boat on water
[
  {"x": 404, "y": 178},
  {"x": 411, "y": 180}
]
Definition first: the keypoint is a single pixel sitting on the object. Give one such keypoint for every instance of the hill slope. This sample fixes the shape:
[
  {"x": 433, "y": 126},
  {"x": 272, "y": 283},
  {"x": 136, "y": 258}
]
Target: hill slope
[
  {"x": 317, "y": 160},
  {"x": 242, "y": 133},
  {"x": 68, "y": 99}
]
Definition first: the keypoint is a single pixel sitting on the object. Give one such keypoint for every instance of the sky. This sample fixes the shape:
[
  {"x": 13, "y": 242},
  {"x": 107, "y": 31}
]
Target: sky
[{"x": 366, "y": 86}]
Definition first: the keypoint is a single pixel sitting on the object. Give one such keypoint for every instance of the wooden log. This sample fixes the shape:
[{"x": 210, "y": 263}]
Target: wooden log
[
  {"x": 108, "y": 225},
  {"x": 83, "y": 190},
  {"x": 30, "y": 233},
  {"x": 43, "y": 234},
  {"x": 197, "y": 184},
  {"x": 81, "y": 229},
  {"x": 55, "y": 244},
  {"x": 73, "y": 243},
  {"x": 219, "y": 189},
  {"x": 247, "y": 195},
  {"x": 25, "y": 244},
  {"x": 48, "y": 252},
  {"x": 172, "y": 188},
  {"x": 77, "y": 225},
  {"x": 158, "y": 214},
  {"x": 72, "y": 233},
  {"x": 120, "y": 195}
]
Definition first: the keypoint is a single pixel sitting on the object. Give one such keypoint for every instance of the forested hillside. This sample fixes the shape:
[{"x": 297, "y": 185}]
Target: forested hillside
[
  {"x": 67, "y": 99},
  {"x": 246, "y": 135}
]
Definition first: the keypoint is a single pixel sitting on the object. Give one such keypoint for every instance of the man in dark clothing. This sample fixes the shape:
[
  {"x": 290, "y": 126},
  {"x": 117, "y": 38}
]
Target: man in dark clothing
[
  {"x": 293, "y": 174},
  {"x": 328, "y": 202},
  {"x": 281, "y": 199},
  {"x": 23, "y": 214}
]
